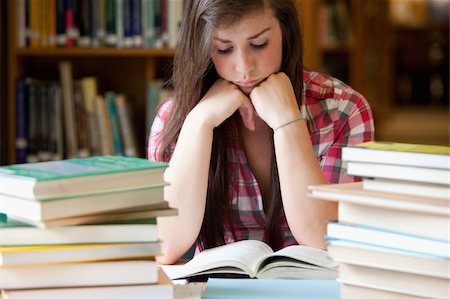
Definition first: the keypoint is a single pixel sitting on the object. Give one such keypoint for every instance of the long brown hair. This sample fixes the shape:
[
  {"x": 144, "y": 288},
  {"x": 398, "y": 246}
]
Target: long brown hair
[{"x": 194, "y": 73}]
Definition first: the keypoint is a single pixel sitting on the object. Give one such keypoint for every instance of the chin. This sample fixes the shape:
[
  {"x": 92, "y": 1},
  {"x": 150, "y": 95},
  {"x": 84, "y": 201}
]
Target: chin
[{"x": 246, "y": 90}]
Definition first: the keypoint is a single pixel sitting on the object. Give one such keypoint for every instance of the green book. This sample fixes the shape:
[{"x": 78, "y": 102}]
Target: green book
[{"x": 79, "y": 176}]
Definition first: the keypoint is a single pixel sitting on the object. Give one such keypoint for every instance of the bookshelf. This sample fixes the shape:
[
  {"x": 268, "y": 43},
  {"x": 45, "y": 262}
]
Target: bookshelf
[
  {"x": 124, "y": 70},
  {"x": 395, "y": 53}
]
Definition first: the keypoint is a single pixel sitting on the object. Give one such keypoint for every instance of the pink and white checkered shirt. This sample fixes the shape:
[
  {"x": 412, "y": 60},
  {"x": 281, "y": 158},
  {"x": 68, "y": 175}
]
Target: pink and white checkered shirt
[{"x": 336, "y": 116}]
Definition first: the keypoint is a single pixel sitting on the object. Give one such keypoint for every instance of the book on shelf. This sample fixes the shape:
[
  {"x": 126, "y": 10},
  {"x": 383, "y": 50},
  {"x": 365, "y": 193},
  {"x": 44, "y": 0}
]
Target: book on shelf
[
  {"x": 105, "y": 273},
  {"x": 223, "y": 288},
  {"x": 417, "y": 223},
  {"x": 163, "y": 289},
  {"x": 255, "y": 259},
  {"x": 16, "y": 233},
  {"x": 395, "y": 281},
  {"x": 387, "y": 238},
  {"x": 386, "y": 258},
  {"x": 114, "y": 123},
  {"x": 355, "y": 193},
  {"x": 50, "y": 254},
  {"x": 407, "y": 187},
  {"x": 89, "y": 91},
  {"x": 399, "y": 172},
  {"x": 393, "y": 153},
  {"x": 79, "y": 176},
  {"x": 126, "y": 126}
]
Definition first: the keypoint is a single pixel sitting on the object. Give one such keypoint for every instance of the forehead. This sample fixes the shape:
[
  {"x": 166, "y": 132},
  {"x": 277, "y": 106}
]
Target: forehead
[{"x": 248, "y": 24}]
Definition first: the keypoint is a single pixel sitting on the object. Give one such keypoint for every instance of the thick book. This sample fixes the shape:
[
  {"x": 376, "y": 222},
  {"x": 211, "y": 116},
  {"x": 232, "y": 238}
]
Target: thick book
[
  {"x": 106, "y": 273},
  {"x": 390, "y": 259},
  {"x": 79, "y": 176},
  {"x": 387, "y": 238},
  {"x": 255, "y": 259},
  {"x": 417, "y": 155},
  {"x": 354, "y": 193},
  {"x": 400, "y": 282},
  {"x": 49, "y": 254},
  {"x": 399, "y": 172},
  {"x": 354, "y": 291},
  {"x": 139, "y": 213},
  {"x": 16, "y": 233},
  {"x": 223, "y": 288},
  {"x": 163, "y": 289},
  {"x": 416, "y": 223},
  {"x": 407, "y": 187},
  {"x": 40, "y": 210}
]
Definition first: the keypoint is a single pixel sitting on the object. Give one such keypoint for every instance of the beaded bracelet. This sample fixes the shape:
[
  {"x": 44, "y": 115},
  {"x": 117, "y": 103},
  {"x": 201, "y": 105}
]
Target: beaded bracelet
[{"x": 289, "y": 122}]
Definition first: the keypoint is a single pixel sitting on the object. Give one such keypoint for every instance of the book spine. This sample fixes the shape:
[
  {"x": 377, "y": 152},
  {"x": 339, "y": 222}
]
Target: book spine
[
  {"x": 119, "y": 23},
  {"x": 51, "y": 34},
  {"x": 32, "y": 122},
  {"x": 65, "y": 71},
  {"x": 127, "y": 20},
  {"x": 21, "y": 121},
  {"x": 126, "y": 127},
  {"x": 114, "y": 122},
  {"x": 110, "y": 23},
  {"x": 104, "y": 126},
  {"x": 20, "y": 23},
  {"x": 61, "y": 37},
  {"x": 34, "y": 12},
  {"x": 136, "y": 23}
]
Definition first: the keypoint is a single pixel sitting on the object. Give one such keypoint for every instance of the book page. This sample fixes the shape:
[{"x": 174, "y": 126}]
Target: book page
[
  {"x": 302, "y": 256},
  {"x": 244, "y": 256}
]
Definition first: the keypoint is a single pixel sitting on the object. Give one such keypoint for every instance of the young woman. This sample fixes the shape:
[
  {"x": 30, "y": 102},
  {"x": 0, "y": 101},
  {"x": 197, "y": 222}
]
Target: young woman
[{"x": 248, "y": 130}]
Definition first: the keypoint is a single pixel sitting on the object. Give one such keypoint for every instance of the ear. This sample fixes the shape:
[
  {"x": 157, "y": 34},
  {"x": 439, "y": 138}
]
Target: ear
[{"x": 247, "y": 112}]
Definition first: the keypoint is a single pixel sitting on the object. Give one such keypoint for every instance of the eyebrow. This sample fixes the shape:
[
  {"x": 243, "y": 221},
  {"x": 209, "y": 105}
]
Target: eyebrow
[{"x": 249, "y": 38}]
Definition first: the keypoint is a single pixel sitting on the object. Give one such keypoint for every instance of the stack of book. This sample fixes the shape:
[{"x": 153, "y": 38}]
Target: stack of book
[
  {"x": 393, "y": 235},
  {"x": 82, "y": 227}
]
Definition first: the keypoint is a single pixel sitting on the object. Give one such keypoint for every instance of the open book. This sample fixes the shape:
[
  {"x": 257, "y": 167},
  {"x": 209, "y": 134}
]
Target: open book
[{"x": 256, "y": 259}]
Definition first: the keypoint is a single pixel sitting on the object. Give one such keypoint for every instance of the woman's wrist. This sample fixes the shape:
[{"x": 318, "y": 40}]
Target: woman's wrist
[{"x": 288, "y": 123}]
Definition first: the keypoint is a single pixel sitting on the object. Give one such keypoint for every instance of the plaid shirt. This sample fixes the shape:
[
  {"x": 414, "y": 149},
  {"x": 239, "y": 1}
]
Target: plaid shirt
[{"x": 336, "y": 115}]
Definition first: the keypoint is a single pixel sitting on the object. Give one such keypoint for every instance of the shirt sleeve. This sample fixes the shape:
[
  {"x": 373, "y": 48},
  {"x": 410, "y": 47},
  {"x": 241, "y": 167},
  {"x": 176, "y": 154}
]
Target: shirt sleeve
[{"x": 161, "y": 117}]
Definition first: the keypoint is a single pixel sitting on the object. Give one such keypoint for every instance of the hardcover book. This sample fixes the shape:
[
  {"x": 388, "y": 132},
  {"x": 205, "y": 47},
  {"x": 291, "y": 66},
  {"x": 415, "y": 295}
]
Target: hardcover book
[{"x": 79, "y": 176}]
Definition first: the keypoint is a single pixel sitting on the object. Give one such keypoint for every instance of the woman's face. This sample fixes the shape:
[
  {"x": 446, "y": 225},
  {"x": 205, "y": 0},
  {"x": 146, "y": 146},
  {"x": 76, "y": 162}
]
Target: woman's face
[{"x": 249, "y": 51}]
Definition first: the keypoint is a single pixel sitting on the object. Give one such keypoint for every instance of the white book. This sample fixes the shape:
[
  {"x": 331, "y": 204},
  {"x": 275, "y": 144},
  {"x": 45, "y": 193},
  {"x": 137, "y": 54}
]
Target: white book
[
  {"x": 349, "y": 291},
  {"x": 417, "y": 155},
  {"x": 78, "y": 274},
  {"x": 164, "y": 289},
  {"x": 390, "y": 259},
  {"x": 354, "y": 193},
  {"x": 255, "y": 259},
  {"x": 33, "y": 255},
  {"x": 387, "y": 238},
  {"x": 407, "y": 187},
  {"x": 399, "y": 172},
  {"x": 394, "y": 281},
  {"x": 15, "y": 233},
  {"x": 416, "y": 223}
]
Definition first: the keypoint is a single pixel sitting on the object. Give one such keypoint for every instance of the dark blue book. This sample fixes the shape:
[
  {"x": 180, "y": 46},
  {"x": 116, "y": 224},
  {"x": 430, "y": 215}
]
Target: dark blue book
[{"x": 21, "y": 121}]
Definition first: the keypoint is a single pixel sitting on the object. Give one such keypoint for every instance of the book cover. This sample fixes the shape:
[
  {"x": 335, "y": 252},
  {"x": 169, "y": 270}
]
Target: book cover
[
  {"x": 387, "y": 238},
  {"x": 16, "y": 233},
  {"x": 401, "y": 282},
  {"x": 271, "y": 288},
  {"x": 163, "y": 289},
  {"x": 418, "y": 155},
  {"x": 42, "y": 210},
  {"x": 386, "y": 258},
  {"x": 50, "y": 254},
  {"x": 255, "y": 259},
  {"x": 411, "y": 222},
  {"x": 79, "y": 176},
  {"x": 79, "y": 274}
]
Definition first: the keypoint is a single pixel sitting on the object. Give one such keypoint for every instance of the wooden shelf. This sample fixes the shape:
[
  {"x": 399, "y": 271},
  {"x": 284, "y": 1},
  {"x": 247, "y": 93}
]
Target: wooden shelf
[{"x": 97, "y": 52}]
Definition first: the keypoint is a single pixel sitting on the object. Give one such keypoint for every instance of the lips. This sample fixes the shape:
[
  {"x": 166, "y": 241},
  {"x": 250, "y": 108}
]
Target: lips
[{"x": 247, "y": 83}]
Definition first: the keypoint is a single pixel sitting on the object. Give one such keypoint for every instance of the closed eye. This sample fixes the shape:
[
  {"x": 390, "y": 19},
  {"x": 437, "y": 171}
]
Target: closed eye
[
  {"x": 224, "y": 51},
  {"x": 260, "y": 46}
]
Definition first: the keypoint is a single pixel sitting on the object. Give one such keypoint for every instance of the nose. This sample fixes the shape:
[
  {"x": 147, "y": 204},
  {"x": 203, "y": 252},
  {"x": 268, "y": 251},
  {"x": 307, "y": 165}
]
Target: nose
[{"x": 244, "y": 62}]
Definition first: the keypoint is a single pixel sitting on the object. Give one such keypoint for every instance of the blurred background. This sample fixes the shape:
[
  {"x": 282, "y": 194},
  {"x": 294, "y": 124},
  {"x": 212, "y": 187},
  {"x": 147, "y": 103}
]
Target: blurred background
[{"x": 395, "y": 52}]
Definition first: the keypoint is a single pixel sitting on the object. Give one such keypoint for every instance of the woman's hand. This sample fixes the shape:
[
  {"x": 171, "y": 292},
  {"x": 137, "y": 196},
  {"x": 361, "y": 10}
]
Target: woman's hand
[
  {"x": 221, "y": 101},
  {"x": 274, "y": 100}
]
